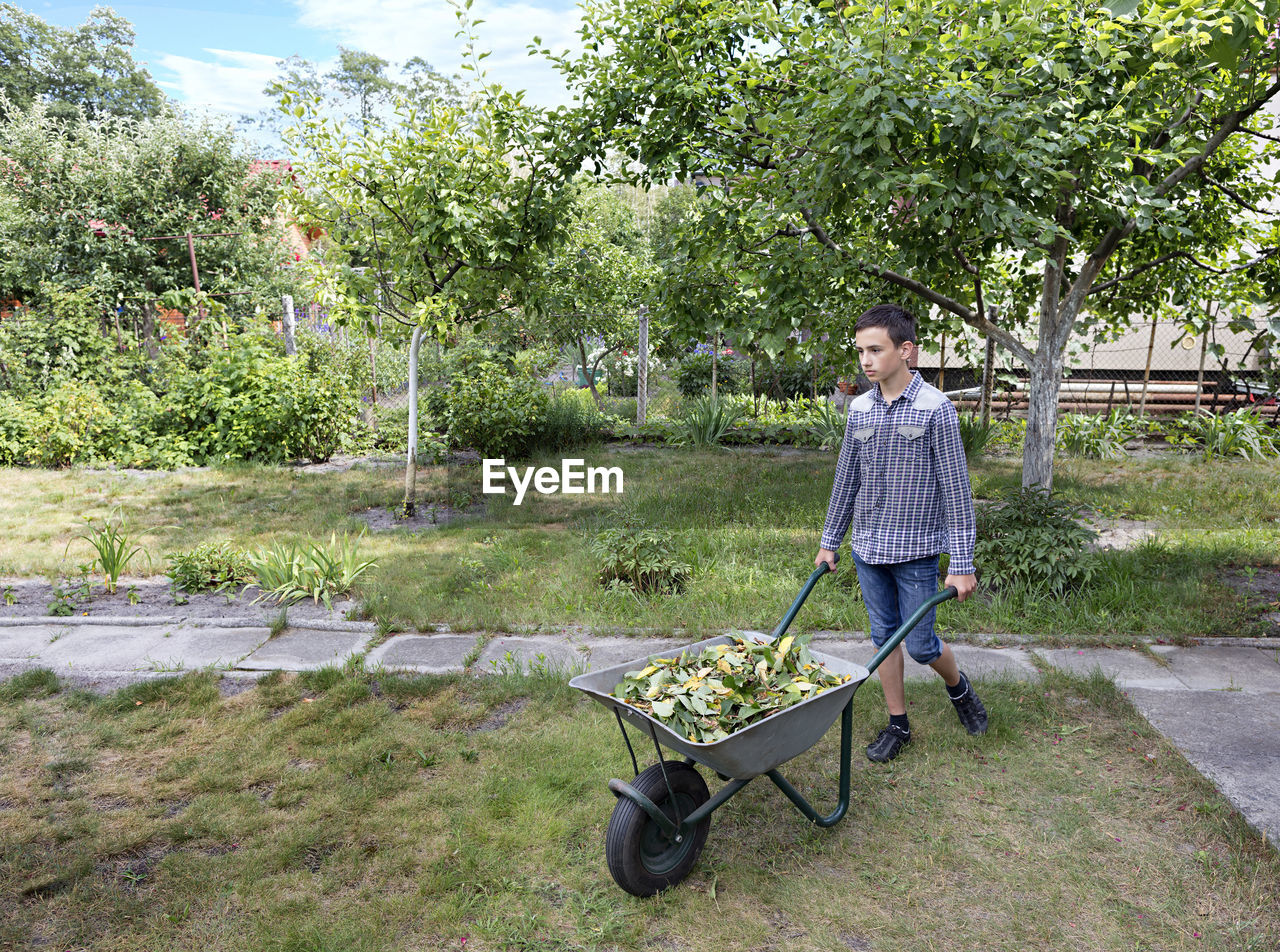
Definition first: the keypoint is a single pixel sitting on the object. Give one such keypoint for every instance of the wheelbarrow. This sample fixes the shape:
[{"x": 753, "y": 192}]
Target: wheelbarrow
[{"x": 660, "y": 822}]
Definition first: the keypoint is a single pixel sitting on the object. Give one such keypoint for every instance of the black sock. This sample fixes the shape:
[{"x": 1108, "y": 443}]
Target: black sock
[
  {"x": 900, "y": 721},
  {"x": 957, "y": 691}
]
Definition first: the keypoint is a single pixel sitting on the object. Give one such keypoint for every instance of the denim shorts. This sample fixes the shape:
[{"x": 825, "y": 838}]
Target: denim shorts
[{"x": 892, "y": 593}]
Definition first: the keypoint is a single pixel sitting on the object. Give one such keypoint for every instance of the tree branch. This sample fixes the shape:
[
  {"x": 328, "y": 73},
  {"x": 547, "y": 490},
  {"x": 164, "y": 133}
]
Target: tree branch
[{"x": 1072, "y": 302}]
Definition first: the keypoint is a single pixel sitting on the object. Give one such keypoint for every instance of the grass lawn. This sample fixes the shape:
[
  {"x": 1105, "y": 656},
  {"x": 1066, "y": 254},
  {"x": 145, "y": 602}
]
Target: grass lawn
[
  {"x": 336, "y": 812},
  {"x": 747, "y": 521}
]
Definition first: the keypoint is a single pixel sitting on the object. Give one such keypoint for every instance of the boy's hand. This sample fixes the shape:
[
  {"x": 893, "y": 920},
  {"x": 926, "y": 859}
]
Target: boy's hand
[
  {"x": 964, "y": 584},
  {"x": 826, "y": 555}
]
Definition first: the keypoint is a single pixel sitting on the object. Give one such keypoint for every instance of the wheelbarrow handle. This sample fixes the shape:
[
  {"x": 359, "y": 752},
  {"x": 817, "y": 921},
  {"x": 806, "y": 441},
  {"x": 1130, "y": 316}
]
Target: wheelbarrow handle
[
  {"x": 790, "y": 616},
  {"x": 896, "y": 638}
]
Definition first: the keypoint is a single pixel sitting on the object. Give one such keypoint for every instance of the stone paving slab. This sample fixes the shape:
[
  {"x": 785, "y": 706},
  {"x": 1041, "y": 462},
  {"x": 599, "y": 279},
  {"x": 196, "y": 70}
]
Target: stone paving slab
[
  {"x": 979, "y": 662},
  {"x": 425, "y": 654},
  {"x": 184, "y": 648},
  {"x": 554, "y": 652},
  {"x": 1232, "y": 737},
  {"x": 22, "y": 643},
  {"x": 1250, "y": 670},
  {"x": 603, "y": 653},
  {"x": 305, "y": 649},
  {"x": 1128, "y": 669}
]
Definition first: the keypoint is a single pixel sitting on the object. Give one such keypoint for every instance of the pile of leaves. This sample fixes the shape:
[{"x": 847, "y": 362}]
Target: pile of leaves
[{"x": 706, "y": 697}]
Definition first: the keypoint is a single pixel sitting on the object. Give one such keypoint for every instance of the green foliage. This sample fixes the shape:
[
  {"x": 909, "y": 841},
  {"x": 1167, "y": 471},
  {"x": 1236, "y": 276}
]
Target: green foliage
[
  {"x": 828, "y": 426},
  {"x": 1032, "y": 539},
  {"x": 641, "y": 558},
  {"x": 571, "y": 419},
  {"x": 88, "y": 68},
  {"x": 64, "y": 339},
  {"x": 1101, "y": 436},
  {"x": 975, "y": 435},
  {"x": 251, "y": 402},
  {"x": 1240, "y": 433},
  {"x": 693, "y": 374},
  {"x": 289, "y": 572},
  {"x": 210, "y": 567},
  {"x": 706, "y": 422},
  {"x": 77, "y": 196},
  {"x": 706, "y": 697},
  {"x": 114, "y": 549},
  {"x": 486, "y": 406},
  {"x": 790, "y": 375}
]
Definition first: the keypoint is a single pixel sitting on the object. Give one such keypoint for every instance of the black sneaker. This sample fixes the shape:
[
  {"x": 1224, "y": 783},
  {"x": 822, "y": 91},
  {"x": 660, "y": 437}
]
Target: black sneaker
[
  {"x": 970, "y": 710},
  {"x": 888, "y": 745}
]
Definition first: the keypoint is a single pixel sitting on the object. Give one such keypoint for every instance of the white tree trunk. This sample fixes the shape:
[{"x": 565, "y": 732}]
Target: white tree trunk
[
  {"x": 1042, "y": 420},
  {"x": 409, "y": 508}
]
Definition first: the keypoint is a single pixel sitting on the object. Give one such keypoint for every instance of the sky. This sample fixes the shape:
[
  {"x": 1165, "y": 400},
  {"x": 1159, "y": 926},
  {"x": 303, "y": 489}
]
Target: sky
[{"x": 219, "y": 55}]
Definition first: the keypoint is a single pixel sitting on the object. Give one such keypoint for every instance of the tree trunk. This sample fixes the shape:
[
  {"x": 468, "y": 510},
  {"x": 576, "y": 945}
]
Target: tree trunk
[
  {"x": 587, "y": 373},
  {"x": 409, "y": 508},
  {"x": 149, "y": 329},
  {"x": 1042, "y": 419}
]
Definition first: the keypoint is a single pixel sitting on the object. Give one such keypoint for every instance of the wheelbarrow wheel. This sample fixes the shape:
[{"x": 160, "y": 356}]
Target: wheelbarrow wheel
[{"x": 642, "y": 859}]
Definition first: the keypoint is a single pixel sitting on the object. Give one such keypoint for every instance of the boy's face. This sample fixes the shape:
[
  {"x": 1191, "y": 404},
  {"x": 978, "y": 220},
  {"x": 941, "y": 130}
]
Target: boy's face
[{"x": 882, "y": 359}]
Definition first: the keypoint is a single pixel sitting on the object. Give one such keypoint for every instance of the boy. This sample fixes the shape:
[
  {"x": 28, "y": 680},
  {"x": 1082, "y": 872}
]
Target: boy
[{"x": 903, "y": 483}]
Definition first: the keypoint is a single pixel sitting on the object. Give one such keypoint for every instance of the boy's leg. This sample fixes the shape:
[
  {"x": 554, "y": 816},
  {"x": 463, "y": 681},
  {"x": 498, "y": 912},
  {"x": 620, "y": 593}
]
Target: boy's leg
[{"x": 880, "y": 596}]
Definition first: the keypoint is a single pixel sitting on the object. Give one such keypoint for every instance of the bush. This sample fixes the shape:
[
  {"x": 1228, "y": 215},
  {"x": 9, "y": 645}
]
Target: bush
[
  {"x": 974, "y": 434},
  {"x": 489, "y": 409},
  {"x": 571, "y": 418},
  {"x": 791, "y": 376},
  {"x": 641, "y": 558},
  {"x": 706, "y": 422},
  {"x": 693, "y": 374},
  {"x": 251, "y": 402},
  {"x": 1238, "y": 433},
  {"x": 61, "y": 340},
  {"x": 1031, "y": 539},
  {"x": 1101, "y": 436},
  {"x": 209, "y": 567}
]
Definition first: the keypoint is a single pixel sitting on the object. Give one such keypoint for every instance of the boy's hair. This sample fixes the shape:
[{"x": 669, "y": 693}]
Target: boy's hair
[{"x": 898, "y": 321}]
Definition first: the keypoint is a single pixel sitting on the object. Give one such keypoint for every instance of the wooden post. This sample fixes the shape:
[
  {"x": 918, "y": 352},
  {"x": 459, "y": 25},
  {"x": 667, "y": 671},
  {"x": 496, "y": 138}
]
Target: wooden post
[
  {"x": 290, "y": 325},
  {"x": 642, "y": 368},
  {"x": 1204, "y": 349},
  {"x": 715, "y": 359},
  {"x": 1146, "y": 374},
  {"x": 409, "y": 508}
]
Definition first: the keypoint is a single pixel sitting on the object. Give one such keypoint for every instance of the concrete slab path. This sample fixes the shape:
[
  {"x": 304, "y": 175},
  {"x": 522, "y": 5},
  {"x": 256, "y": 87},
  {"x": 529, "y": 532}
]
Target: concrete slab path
[{"x": 1218, "y": 704}]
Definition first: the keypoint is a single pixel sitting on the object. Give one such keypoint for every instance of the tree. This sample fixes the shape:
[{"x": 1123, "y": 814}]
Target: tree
[
  {"x": 949, "y": 154},
  {"x": 90, "y": 68},
  {"x": 435, "y": 219},
  {"x": 77, "y": 196},
  {"x": 595, "y": 280},
  {"x": 361, "y": 78}
]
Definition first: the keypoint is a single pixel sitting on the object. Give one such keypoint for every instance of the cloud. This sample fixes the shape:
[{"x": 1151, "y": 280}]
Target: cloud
[
  {"x": 231, "y": 82},
  {"x": 399, "y": 29}
]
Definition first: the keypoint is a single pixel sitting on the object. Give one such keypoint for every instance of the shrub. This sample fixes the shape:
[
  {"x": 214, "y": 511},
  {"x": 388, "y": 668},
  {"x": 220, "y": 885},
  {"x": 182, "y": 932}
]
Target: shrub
[
  {"x": 706, "y": 422},
  {"x": 693, "y": 374},
  {"x": 1029, "y": 538},
  {"x": 17, "y": 431},
  {"x": 251, "y": 402},
  {"x": 974, "y": 434},
  {"x": 1238, "y": 433},
  {"x": 571, "y": 418},
  {"x": 489, "y": 409},
  {"x": 289, "y": 572},
  {"x": 210, "y": 566},
  {"x": 1101, "y": 436},
  {"x": 60, "y": 340},
  {"x": 641, "y": 558},
  {"x": 788, "y": 377}
]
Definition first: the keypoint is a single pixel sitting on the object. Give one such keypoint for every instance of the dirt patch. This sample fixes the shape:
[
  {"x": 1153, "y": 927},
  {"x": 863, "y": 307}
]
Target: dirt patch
[
  {"x": 428, "y": 517},
  {"x": 499, "y": 716},
  {"x": 1260, "y": 586},
  {"x": 151, "y": 597},
  {"x": 1120, "y": 533}
]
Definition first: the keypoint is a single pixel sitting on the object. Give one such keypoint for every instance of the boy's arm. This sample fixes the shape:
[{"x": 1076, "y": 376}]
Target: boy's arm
[
  {"x": 957, "y": 497},
  {"x": 844, "y": 490}
]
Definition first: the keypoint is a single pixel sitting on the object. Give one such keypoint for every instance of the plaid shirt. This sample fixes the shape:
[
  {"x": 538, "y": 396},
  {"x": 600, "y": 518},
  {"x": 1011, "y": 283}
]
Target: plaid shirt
[{"x": 902, "y": 481}]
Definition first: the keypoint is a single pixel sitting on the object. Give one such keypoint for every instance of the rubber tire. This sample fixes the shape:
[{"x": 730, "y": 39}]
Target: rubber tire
[{"x": 641, "y": 859}]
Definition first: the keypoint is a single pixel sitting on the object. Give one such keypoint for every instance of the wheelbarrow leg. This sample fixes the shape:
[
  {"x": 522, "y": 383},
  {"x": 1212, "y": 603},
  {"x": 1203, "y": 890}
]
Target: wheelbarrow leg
[{"x": 846, "y": 743}]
